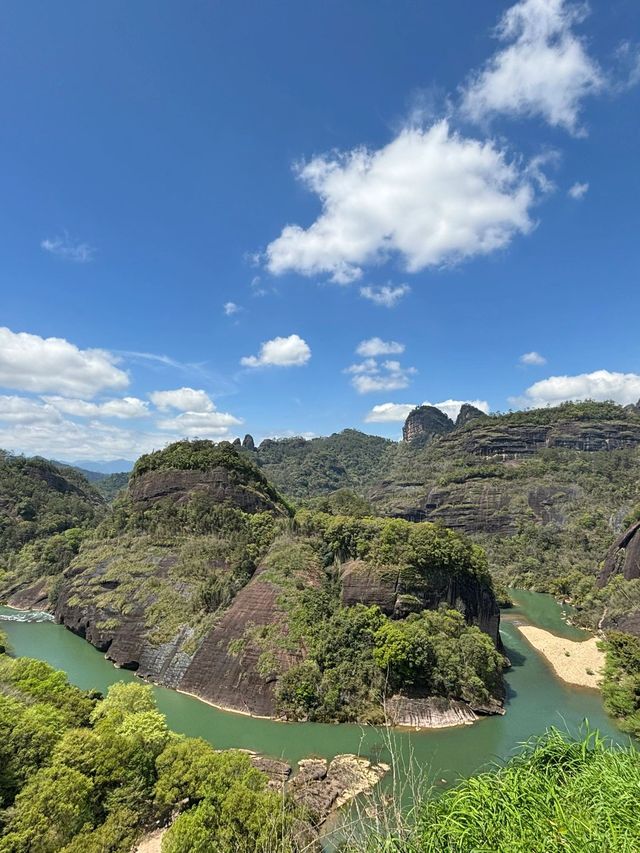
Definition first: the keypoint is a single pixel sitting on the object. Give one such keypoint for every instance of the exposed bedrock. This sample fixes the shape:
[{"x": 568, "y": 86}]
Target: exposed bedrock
[
  {"x": 623, "y": 557},
  {"x": 226, "y": 668},
  {"x": 218, "y": 483}
]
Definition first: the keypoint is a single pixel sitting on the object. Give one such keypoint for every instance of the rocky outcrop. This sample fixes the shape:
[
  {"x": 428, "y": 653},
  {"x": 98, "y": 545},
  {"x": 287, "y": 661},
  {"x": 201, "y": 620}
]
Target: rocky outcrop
[
  {"x": 398, "y": 594},
  {"x": 323, "y": 787},
  {"x": 491, "y": 439},
  {"x": 424, "y": 423},
  {"x": 623, "y": 557},
  {"x": 248, "y": 443},
  {"x": 468, "y": 413},
  {"x": 218, "y": 483},
  {"x": 226, "y": 670},
  {"x": 430, "y": 712}
]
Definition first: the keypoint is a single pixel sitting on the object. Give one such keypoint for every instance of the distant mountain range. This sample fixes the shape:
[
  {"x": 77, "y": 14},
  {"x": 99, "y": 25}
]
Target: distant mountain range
[{"x": 116, "y": 466}]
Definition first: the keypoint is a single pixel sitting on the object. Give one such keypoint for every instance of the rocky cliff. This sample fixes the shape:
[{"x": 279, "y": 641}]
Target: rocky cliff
[
  {"x": 424, "y": 423},
  {"x": 192, "y": 579}
]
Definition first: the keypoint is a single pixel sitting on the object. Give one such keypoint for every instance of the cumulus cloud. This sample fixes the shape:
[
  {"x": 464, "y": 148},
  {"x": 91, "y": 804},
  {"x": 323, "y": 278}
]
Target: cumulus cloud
[
  {"x": 393, "y": 412},
  {"x": 578, "y": 190},
  {"x": 376, "y": 346},
  {"x": 292, "y": 351},
  {"x": 431, "y": 196},
  {"x": 123, "y": 407},
  {"x": 200, "y": 424},
  {"x": 182, "y": 399},
  {"x": 230, "y": 308},
  {"x": 386, "y": 295},
  {"x": 532, "y": 358},
  {"x": 544, "y": 69},
  {"x": 43, "y": 431},
  {"x": 70, "y": 250},
  {"x": 25, "y": 411},
  {"x": 31, "y": 363},
  {"x": 370, "y": 375},
  {"x": 600, "y": 385},
  {"x": 388, "y": 413}
]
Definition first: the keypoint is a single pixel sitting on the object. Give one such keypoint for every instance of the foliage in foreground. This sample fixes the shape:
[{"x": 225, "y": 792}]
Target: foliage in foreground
[
  {"x": 80, "y": 774},
  {"x": 558, "y": 795},
  {"x": 621, "y": 682}
]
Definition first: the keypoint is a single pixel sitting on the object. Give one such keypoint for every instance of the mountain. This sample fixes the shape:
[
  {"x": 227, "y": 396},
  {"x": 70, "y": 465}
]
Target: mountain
[
  {"x": 201, "y": 577},
  {"x": 45, "y": 512},
  {"x": 114, "y": 466},
  {"x": 303, "y": 468}
]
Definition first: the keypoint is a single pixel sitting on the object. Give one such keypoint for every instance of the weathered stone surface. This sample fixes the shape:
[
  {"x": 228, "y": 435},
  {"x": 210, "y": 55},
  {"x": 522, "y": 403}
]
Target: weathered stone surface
[
  {"x": 248, "y": 443},
  {"x": 323, "y": 787},
  {"x": 232, "y": 679},
  {"x": 219, "y": 483},
  {"x": 432, "y": 712},
  {"x": 425, "y": 423},
  {"x": 492, "y": 439},
  {"x": 32, "y": 597},
  {"x": 623, "y": 557},
  {"x": 468, "y": 413}
]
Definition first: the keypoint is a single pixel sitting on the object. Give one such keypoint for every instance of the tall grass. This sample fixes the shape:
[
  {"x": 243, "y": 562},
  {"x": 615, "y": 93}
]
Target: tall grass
[{"x": 558, "y": 795}]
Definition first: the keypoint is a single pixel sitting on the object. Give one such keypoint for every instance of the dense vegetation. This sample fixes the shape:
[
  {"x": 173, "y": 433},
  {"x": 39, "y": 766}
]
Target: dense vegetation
[
  {"x": 621, "y": 681},
  {"x": 557, "y": 796},
  {"x": 82, "y": 774},
  {"x": 356, "y": 656},
  {"x": 45, "y": 513},
  {"x": 303, "y": 468}
]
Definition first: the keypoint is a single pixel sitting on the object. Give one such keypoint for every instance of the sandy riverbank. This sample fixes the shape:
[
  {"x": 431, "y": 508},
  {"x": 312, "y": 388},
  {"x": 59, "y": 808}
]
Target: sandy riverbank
[{"x": 573, "y": 662}]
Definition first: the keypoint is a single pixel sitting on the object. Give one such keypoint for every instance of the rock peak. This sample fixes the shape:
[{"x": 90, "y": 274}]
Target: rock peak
[{"x": 424, "y": 423}]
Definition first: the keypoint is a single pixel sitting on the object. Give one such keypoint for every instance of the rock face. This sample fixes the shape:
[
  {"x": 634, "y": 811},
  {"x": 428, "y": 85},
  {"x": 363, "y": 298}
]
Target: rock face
[
  {"x": 468, "y": 413},
  {"x": 397, "y": 595},
  {"x": 323, "y": 787},
  {"x": 425, "y": 423},
  {"x": 232, "y": 677},
  {"x": 218, "y": 483},
  {"x": 493, "y": 440},
  {"x": 431, "y": 712},
  {"x": 248, "y": 443},
  {"x": 623, "y": 557}
]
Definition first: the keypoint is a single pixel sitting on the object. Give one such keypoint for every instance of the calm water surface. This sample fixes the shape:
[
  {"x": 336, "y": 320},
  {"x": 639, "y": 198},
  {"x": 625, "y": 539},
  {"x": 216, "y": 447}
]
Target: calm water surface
[{"x": 536, "y": 699}]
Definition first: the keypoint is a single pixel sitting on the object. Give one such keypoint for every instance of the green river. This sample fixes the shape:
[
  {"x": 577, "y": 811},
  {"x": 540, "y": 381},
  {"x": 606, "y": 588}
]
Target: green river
[{"x": 536, "y": 699}]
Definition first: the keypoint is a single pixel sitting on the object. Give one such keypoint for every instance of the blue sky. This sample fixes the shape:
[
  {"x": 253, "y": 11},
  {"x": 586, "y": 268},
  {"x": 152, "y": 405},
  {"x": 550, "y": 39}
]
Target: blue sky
[{"x": 236, "y": 198}]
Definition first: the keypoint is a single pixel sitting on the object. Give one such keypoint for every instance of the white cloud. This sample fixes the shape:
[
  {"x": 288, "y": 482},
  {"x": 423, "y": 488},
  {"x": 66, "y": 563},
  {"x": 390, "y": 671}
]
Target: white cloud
[
  {"x": 544, "y": 70},
  {"x": 64, "y": 247},
  {"x": 123, "y": 407},
  {"x": 578, "y": 190},
  {"x": 369, "y": 376},
  {"x": 201, "y": 424},
  {"x": 393, "y": 412},
  {"x": 532, "y": 358},
  {"x": 386, "y": 295},
  {"x": 230, "y": 308},
  {"x": 376, "y": 346},
  {"x": 431, "y": 196},
  {"x": 182, "y": 399},
  {"x": 280, "y": 352},
  {"x": 25, "y": 411},
  {"x": 600, "y": 385},
  {"x": 389, "y": 413},
  {"x": 31, "y": 363}
]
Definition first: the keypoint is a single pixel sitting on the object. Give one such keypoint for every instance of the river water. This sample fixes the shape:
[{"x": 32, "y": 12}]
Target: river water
[{"x": 536, "y": 699}]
